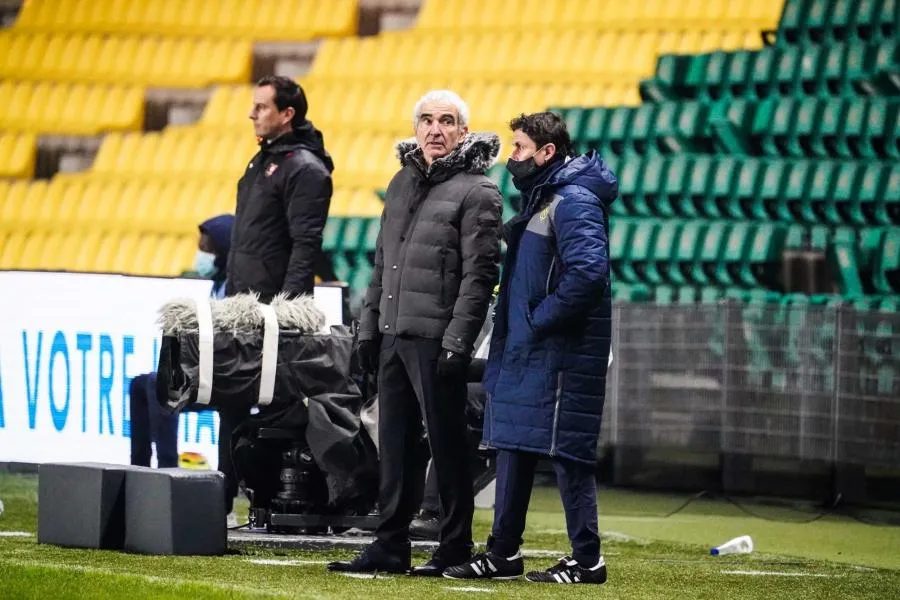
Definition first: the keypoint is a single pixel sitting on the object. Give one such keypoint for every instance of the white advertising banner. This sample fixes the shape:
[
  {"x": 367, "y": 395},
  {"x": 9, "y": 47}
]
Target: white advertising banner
[{"x": 70, "y": 343}]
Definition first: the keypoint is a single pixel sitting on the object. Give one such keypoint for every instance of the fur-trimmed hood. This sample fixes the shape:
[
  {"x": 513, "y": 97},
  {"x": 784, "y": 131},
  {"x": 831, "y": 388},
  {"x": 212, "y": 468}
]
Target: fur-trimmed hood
[
  {"x": 240, "y": 315},
  {"x": 476, "y": 153}
]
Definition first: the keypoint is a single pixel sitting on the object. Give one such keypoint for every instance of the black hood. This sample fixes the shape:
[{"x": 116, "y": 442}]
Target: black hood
[{"x": 304, "y": 137}]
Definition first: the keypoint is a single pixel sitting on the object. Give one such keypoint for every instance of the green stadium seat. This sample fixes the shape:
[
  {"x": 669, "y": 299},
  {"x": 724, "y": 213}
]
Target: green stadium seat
[
  {"x": 331, "y": 234},
  {"x": 656, "y": 271},
  {"x": 631, "y": 191},
  {"x": 842, "y": 15},
  {"x": 361, "y": 275},
  {"x": 805, "y": 128},
  {"x": 370, "y": 239},
  {"x": 710, "y": 295},
  {"x": 840, "y": 206},
  {"x": 890, "y": 147},
  {"x": 668, "y": 80},
  {"x": 809, "y": 70},
  {"x": 575, "y": 118},
  {"x": 664, "y": 294},
  {"x": 787, "y": 71},
  {"x": 853, "y": 129},
  {"x": 723, "y": 199},
  {"x": 818, "y": 20},
  {"x": 619, "y": 244},
  {"x": 341, "y": 265},
  {"x": 687, "y": 294},
  {"x": 792, "y": 25},
  {"x": 886, "y": 269},
  {"x": 772, "y": 124},
  {"x": 709, "y": 260},
  {"x": 670, "y": 197},
  {"x": 594, "y": 129},
  {"x": 794, "y": 193},
  {"x": 618, "y": 129},
  {"x": 687, "y": 252},
  {"x": 887, "y": 197},
  {"x": 639, "y": 252},
  {"x": 734, "y": 254},
  {"x": 748, "y": 179},
  {"x": 826, "y": 139},
  {"x": 353, "y": 235},
  {"x": 870, "y": 143},
  {"x": 766, "y": 247},
  {"x": 762, "y": 77},
  {"x": 665, "y": 128},
  {"x": 729, "y": 123},
  {"x": 631, "y": 292},
  {"x": 820, "y": 186},
  {"x": 697, "y": 199},
  {"x": 888, "y": 19},
  {"x": 652, "y": 178},
  {"x": 714, "y": 74},
  {"x": 740, "y": 72},
  {"x": 845, "y": 263},
  {"x": 773, "y": 182},
  {"x": 641, "y": 128},
  {"x": 695, "y": 76}
]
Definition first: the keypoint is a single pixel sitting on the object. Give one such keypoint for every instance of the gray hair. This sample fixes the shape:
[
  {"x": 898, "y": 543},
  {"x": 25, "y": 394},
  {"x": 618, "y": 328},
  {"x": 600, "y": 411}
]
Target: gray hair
[{"x": 444, "y": 97}]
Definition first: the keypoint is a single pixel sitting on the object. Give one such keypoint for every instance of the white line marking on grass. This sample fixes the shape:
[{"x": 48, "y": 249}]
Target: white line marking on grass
[
  {"x": 244, "y": 589},
  {"x": 469, "y": 589},
  {"x": 776, "y": 573},
  {"x": 15, "y": 534},
  {"x": 366, "y": 575},
  {"x": 285, "y": 562}
]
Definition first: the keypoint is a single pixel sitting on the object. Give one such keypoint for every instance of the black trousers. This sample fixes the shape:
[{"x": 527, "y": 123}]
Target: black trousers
[
  {"x": 577, "y": 488},
  {"x": 410, "y": 392},
  {"x": 151, "y": 426}
]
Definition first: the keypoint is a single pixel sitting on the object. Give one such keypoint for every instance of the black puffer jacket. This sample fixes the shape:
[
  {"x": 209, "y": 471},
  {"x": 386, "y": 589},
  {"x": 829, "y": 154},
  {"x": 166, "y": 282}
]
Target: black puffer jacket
[
  {"x": 282, "y": 205},
  {"x": 437, "y": 256}
]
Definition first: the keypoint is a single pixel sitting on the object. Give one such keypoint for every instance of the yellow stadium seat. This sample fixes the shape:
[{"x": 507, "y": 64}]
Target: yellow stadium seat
[
  {"x": 32, "y": 251},
  {"x": 253, "y": 19},
  {"x": 12, "y": 202},
  {"x": 12, "y": 249},
  {"x": 17, "y": 154}
]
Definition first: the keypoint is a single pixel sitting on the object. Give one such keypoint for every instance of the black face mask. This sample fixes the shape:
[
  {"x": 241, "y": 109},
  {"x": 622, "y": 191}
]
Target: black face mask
[
  {"x": 522, "y": 169},
  {"x": 525, "y": 172}
]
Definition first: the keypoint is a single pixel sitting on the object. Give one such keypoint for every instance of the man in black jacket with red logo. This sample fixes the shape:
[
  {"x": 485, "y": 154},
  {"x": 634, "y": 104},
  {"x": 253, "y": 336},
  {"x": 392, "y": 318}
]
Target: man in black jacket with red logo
[
  {"x": 282, "y": 205},
  {"x": 282, "y": 199}
]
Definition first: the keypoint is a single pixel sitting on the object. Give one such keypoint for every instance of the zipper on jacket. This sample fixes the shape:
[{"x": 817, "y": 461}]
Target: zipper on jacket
[
  {"x": 550, "y": 276},
  {"x": 559, "y": 378},
  {"x": 443, "y": 276}
]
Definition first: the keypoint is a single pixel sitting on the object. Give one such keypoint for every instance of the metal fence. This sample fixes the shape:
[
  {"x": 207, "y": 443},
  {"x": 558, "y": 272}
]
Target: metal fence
[{"x": 796, "y": 381}]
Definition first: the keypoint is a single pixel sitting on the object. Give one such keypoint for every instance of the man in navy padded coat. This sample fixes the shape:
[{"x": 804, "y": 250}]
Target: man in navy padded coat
[{"x": 546, "y": 370}]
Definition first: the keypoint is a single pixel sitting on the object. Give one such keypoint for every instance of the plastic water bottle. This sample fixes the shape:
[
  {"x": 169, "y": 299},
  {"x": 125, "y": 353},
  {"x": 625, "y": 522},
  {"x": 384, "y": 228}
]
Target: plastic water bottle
[
  {"x": 739, "y": 545},
  {"x": 1, "y": 508}
]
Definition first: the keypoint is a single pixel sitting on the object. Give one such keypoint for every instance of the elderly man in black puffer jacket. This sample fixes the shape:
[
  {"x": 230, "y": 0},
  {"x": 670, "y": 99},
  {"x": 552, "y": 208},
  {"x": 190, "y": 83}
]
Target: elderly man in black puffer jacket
[{"x": 436, "y": 264}]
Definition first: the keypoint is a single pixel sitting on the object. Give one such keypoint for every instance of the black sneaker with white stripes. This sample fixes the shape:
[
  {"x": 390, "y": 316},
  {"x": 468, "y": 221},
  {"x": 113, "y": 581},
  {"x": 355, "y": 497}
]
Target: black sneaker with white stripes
[
  {"x": 567, "y": 570},
  {"x": 488, "y": 566}
]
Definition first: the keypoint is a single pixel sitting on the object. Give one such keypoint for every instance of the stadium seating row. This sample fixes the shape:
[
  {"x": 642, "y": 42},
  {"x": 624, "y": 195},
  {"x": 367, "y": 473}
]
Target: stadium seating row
[
  {"x": 737, "y": 253},
  {"x": 828, "y": 21},
  {"x": 536, "y": 15},
  {"x": 292, "y": 20},
  {"x": 732, "y": 187},
  {"x": 17, "y": 154},
  {"x": 337, "y": 106},
  {"x": 74, "y": 109},
  {"x": 362, "y": 160},
  {"x": 162, "y": 205},
  {"x": 153, "y": 61},
  {"x": 97, "y": 251},
  {"x": 840, "y": 69},
  {"x": 539, "y": 57},
  {"x": 810, "y": 127}
]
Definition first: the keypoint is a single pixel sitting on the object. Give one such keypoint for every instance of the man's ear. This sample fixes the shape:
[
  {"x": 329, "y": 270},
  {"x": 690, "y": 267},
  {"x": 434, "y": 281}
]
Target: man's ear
[
  {"x": 551, "y": 151},
  {"x": 290, "y": 112}
]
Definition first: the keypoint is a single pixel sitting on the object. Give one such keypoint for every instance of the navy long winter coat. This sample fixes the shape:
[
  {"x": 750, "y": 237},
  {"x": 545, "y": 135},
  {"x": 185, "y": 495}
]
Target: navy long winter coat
[{"x": 546, "y": 371}]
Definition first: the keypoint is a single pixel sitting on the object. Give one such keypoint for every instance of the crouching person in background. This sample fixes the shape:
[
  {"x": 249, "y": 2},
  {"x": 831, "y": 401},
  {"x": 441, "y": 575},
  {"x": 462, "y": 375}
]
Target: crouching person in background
[{"x": 150, "y": 426}]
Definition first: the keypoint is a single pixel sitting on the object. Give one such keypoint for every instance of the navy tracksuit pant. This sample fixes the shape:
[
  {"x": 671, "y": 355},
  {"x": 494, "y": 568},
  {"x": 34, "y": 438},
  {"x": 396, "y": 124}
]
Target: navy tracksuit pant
[{"x": 577, "y": 488}]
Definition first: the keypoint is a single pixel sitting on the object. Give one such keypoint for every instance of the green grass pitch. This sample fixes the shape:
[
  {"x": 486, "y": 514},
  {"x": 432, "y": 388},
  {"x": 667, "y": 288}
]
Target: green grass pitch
[{"x": 648, "y": 556}]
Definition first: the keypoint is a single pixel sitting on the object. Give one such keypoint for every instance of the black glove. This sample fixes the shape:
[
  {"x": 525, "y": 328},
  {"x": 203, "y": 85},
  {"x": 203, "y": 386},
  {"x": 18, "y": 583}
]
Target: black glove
[
  {"x": 368, "y": 352},
  {"x": 451, "y": 364}
]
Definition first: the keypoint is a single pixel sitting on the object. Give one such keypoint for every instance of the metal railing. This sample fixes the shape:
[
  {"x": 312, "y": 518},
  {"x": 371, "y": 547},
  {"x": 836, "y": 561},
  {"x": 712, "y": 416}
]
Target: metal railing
[{"x": 796, "y": 381}]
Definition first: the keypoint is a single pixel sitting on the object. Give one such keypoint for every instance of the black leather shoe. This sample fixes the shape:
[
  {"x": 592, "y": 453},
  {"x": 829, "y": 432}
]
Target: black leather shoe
[
  {"x": 374, "y": 558},
  {"x": 435, "y": 567},
  {"x": 426, "y": 526}
]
